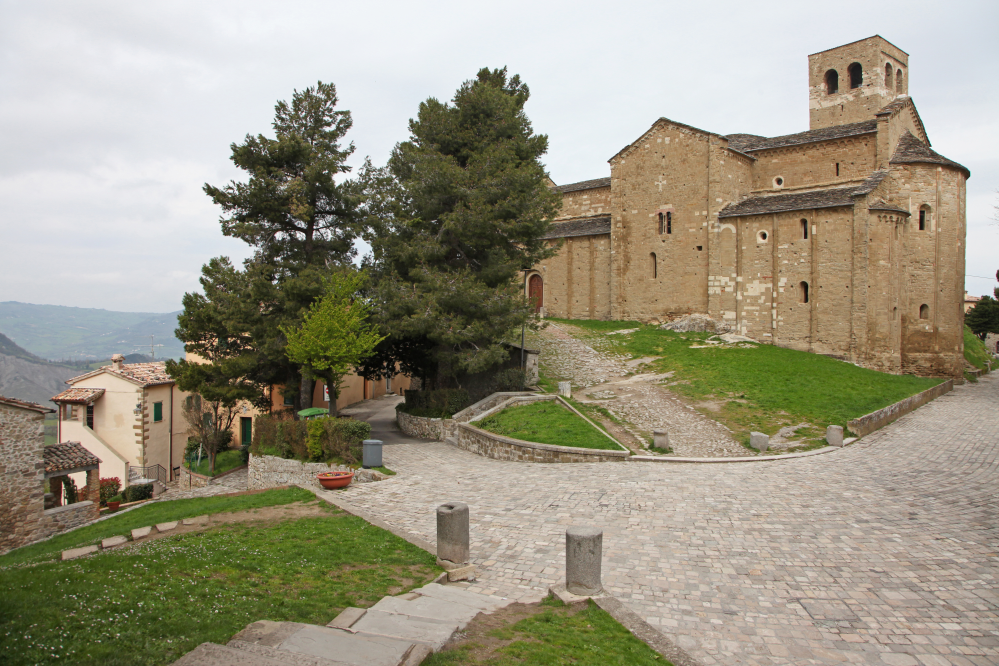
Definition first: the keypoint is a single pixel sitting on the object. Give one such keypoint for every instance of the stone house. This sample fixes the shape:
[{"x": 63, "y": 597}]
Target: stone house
[
  {"x": 25, "y": 463},
  {"x": 847, "y": 239}
]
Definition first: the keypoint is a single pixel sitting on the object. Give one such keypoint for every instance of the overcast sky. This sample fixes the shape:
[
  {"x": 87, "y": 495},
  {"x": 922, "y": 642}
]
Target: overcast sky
[{"x": 114, "y": 114}]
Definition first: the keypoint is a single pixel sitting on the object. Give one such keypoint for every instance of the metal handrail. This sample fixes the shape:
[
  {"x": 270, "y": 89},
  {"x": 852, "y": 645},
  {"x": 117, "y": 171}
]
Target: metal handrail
[{"x": 156, "y": 472}]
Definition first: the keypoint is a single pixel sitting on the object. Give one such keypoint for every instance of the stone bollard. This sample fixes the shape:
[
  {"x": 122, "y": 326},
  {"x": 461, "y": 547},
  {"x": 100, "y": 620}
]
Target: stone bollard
[
  {"x": 565, "y": 389},
  {"x": 759, "y": 441},
  {"x": 583, "y": 552},
  {"x": 452, "y": 541},
  {"x": 371, "y": 455},
  {"x": 834, "y": 435},
  {"x": 660, "y": 439}
]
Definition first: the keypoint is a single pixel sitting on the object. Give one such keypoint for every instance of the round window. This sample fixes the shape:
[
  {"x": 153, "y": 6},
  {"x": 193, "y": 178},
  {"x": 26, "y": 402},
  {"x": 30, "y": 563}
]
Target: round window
[
  {"x": 762, "y": 236},
  {"x": 779, "y": 181}
]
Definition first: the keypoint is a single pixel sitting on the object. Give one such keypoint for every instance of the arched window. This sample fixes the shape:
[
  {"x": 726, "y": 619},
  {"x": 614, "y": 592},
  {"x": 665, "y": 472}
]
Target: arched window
[
  {"x": 666, "y": 222},
  {"x": 888, "y": 71},
  {"x": 655, "y": 266},
  {"x": 803, "y": 289},
  {"x": 804, "y": 229},
  {"x": 898, "y": 82},
  {"x": 924, "y": 311},
  {"x": 832, "y": 82},
  {"x": 924, "y": 217},
  {"x": 856, "y": 75}
]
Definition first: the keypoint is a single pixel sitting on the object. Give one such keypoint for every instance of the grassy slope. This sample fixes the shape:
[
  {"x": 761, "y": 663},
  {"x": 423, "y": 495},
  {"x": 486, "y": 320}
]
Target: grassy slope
[
  {"x": 975, "y": 352},
  {"x": 151, "y": 603},
  {"x": 546, "y": 423},
  {"x": 764, "y": 387},
  {"x": 588, "y": 637},
  {"x": 224, "y": 461}
]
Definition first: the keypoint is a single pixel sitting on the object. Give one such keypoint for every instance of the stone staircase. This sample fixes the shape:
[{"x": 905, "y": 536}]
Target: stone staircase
[{"x": 396, "y": 631}]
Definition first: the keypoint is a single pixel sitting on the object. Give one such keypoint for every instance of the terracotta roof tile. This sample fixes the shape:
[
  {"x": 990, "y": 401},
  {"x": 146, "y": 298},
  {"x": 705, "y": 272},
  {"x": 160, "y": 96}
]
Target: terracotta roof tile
[
  {"x": 143, "y": 374},
  {"x": 67, "y": 456},
  {"x": 584, "y": 185},
  {"x": 24, "y": 404},
  {"x": 587, "y": 226},
  {"x": 79, "y": 396}
]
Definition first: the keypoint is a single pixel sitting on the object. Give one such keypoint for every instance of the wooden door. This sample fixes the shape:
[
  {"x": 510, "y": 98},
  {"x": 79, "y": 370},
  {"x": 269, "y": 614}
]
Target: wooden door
[{"x": 536, "y": 292}]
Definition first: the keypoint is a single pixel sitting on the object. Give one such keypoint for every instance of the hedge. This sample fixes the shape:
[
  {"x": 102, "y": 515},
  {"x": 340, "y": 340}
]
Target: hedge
[{"x": 326, "y": 439}]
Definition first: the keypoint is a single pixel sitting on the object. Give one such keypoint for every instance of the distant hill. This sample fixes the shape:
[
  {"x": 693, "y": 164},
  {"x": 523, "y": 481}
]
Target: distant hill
[
  {"x": 57, "y": 332},
  {"x": 26, "y": 377}
]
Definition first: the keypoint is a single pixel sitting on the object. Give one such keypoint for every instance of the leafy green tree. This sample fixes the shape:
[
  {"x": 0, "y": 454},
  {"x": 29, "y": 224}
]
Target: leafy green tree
[
  {"x": 984, "y": 317},
  {"x": 211, "y": 327},
  {"x": 453, "y": 219},
  {"x": 336, "y": 334},
  {"x": 299, "y": 214}
]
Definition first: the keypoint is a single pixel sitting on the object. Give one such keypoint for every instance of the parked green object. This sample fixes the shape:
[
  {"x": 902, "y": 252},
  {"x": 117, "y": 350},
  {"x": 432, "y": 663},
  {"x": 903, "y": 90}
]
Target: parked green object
[{"x": 313, "y": 412}]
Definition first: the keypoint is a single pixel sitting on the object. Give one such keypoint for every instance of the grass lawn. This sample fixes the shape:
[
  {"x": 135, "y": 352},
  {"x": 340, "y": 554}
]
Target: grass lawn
[
  {"x": 760, "y": 388},
  {"x": 554, "y": 634},
  {"x": 546, "y": 422},
  {"x": 224, "y": 461},
  {"x": 150, "y": 603}
]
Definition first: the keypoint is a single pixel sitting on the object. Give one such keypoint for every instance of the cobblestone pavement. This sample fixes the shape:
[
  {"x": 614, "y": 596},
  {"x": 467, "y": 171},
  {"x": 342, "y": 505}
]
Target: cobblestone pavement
[
  {"x": 884, "y": 552},
  {"x": 639, "y": 400},
  {"x": 230, "y": 483}
]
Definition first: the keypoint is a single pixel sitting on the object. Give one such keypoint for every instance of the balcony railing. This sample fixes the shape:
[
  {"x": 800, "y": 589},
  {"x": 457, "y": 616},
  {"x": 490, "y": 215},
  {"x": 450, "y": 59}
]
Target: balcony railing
[{"x": 151, "y": 472}]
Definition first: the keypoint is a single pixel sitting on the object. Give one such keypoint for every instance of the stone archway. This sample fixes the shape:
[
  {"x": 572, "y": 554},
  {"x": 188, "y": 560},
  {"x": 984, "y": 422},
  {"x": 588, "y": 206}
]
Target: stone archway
[{"x": 536, "y": 292}]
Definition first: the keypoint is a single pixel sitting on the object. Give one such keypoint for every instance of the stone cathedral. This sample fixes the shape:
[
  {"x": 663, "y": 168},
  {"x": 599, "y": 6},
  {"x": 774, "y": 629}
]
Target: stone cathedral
[{"x": 846, "y": 240}]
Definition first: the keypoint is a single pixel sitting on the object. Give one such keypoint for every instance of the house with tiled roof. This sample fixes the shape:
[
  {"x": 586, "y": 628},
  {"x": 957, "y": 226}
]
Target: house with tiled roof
[
  {"x": 847, "y": 239},
  {"x": 129, "y": 416}
]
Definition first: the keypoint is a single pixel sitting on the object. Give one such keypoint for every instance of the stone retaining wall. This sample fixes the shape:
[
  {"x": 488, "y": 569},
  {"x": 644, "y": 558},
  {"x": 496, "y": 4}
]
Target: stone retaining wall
[
  {"x": 499, "y": 447},
  {"x": 63, "y": 518},
  {"x": 189, "y": 479},
  {"x": 271, "y": 471},
  {"x": 868, "y": 423},
  {"x": 423, "y": 427}
]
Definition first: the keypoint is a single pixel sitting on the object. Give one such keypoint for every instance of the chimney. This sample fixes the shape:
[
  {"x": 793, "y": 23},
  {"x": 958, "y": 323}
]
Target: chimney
[{"x": 117, "y": 362}]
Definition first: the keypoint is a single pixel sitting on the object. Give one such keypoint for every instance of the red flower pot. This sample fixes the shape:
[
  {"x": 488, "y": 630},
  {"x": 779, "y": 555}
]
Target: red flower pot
[
  {"x": 331, "y": 480},
  {"x": 113, "y": 505}
]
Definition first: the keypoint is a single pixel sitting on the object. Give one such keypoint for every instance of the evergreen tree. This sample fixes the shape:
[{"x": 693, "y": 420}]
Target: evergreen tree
[
  {"x": 984, "y": 317},
  {"x": 455, "y": 217},
  {"x": 299, "y": 219}
]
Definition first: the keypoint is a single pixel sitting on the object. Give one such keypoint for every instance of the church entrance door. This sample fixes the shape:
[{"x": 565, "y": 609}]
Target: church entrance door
[{"x": 536, "y": 292}]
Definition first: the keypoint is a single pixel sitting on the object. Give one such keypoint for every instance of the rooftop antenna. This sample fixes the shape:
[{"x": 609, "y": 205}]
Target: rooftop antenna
[{"x": 152, "y": 350}]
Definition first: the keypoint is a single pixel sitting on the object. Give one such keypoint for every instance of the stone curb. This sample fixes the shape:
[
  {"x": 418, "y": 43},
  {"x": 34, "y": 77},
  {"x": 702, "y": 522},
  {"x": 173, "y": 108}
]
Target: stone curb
[
  {"x": 789, "y": 456},
  {"x": 644, "y": 631}
]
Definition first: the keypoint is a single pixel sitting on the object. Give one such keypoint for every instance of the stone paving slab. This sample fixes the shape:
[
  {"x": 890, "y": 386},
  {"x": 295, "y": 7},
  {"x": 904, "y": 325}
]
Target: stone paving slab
[
  {"x": 140, "y": 532},
  {"x": 426, "y": 607},
  {"x": 348, "y": 647},
  {"x": 460, "y": 596},
  {"x": 884, "y": 552},
  {"x": 166, "y": 527},
  {"x": 74, "y": 553},
  {"x": 111, "y": 542},
  {"x": 428, "y": 631}
]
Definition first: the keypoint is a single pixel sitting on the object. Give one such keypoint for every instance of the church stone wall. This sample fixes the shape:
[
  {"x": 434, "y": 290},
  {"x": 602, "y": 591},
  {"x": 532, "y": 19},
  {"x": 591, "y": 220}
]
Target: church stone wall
[
  {"x": 585, "y": 203},
  {"x": 814, "y": 164},
  {"x": 577, "y": 280}
]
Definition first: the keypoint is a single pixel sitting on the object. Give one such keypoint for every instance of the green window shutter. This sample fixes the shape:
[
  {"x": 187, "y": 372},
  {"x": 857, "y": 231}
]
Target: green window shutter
[{"x": 157, "y": 411}]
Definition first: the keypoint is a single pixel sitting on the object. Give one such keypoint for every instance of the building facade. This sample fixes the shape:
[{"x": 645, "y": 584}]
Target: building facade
[{"x": 847, "y": 239}]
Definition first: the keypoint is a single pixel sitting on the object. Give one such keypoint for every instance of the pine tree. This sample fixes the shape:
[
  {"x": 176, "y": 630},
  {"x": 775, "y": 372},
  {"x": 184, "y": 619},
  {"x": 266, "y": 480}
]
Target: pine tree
[{"x": 455, "y": 217}]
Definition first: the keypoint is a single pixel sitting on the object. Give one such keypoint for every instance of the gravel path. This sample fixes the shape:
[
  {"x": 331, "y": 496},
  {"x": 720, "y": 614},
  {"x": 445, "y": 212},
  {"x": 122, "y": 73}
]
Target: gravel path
[{"x": 640, "y": 399}]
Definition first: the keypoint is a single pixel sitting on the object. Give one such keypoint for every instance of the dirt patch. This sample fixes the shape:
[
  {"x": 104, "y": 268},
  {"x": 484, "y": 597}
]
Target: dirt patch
[
  {"x": 487, "y": 633},
  {"x": 263, "y": 515}
]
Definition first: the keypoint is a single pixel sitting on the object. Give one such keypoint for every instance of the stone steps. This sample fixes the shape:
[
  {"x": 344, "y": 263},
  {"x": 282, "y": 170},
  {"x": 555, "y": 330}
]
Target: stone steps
[
  {"x": 396, "y": 631},
  {"x": 138, "y": 534}
]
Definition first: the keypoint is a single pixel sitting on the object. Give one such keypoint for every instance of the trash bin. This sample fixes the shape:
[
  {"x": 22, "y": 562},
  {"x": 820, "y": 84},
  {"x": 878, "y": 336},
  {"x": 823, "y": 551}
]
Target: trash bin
[{"x": 372, "y": 456}]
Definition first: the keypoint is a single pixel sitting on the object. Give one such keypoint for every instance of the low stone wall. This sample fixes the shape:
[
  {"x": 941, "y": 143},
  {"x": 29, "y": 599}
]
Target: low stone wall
[
  {"x": 423, "y": 427},
  {"x": 499, "y": 447},
  {"x": 63, "y": 518},
  {"x": 189, "y": 479},
  {"x": 868, "y": 423},
  {"x": 271, "y": 471}
]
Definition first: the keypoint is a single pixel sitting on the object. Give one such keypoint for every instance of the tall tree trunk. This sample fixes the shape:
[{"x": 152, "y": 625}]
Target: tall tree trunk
[{"x": 306, "y": 388}]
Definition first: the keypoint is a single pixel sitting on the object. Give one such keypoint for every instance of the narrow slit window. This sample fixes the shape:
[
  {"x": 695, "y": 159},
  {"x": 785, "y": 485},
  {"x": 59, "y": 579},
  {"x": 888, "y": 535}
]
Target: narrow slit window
[
  {"x": 924, "y": 311},
  {"x": 655, "y": 267},
  {"x": 888, "y": 78},
  {"x": 804, "y": 229},
  {"x": 803, "y": 288},
  {"x": 837, "y": 169},
  {"x": 924, "y": 217},
  {"x": 898, "y": 82}
]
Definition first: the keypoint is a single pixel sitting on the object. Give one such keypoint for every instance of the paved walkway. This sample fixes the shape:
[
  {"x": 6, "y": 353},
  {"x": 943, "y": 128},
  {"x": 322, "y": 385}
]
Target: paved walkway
[{"x": 882, "y": 553}]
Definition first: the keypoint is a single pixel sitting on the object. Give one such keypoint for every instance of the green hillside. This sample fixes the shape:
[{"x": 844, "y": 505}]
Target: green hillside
[{"x": 58, "y": 332}]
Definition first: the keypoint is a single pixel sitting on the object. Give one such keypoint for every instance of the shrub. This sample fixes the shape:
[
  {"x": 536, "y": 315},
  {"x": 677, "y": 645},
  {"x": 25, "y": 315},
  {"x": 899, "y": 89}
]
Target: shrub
[
  {"x": 317, "y": 439},
  {"x": 116, "y": 498},
  {"x": 439, "y": 404},
  {"x": 109, "y": 488},
  {"x": 71, "y": 492},
  {"x": 139, "y": 492}
]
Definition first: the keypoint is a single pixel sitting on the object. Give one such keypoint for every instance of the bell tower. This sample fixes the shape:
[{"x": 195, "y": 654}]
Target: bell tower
[{"x": 850, "y": 83}]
